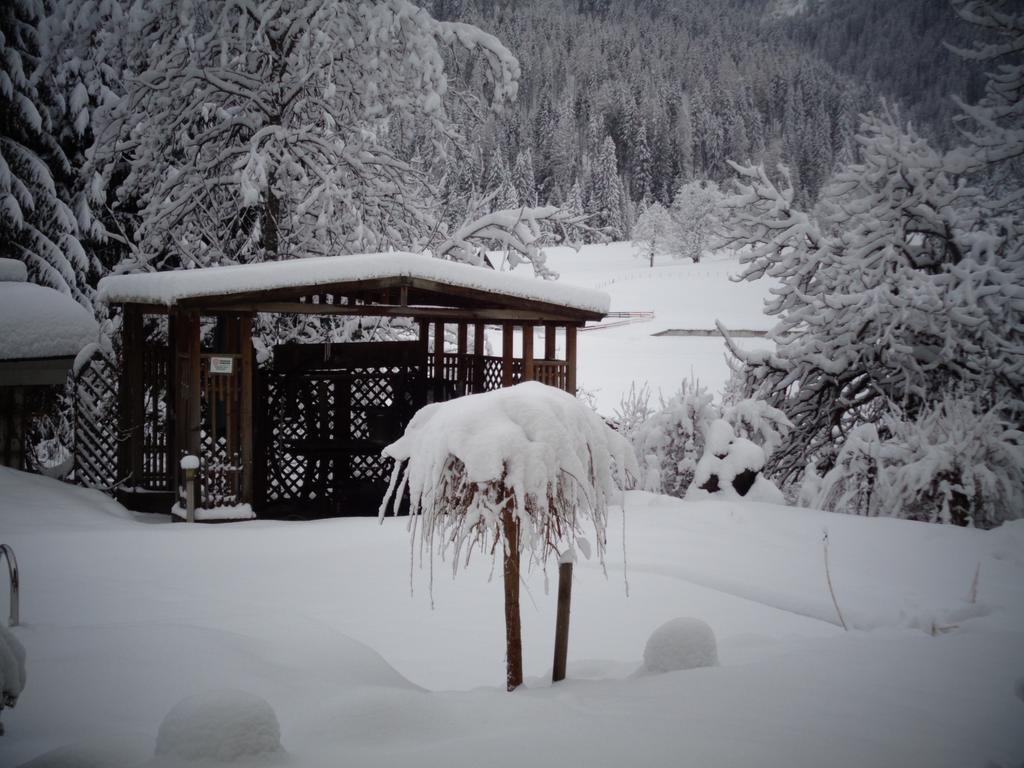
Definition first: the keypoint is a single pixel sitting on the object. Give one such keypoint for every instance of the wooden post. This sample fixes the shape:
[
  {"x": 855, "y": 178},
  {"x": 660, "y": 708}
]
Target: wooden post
[
  {"x": 562, "y": 621},
  {"x": 478, "y": 354},
  {"x": 550, "y": 339},
  {"x": 132, "y": 399},
  {"x": 439, "y": 393},
  {"x": 463, "y": 350},
  {"x": 246, "y": 416},
  {"x": 190, "y": 495},
  {"x": 507, "y": 339},
  {"x": 513, "y": 624},
  {"x": 187, "y": 395},
  {"x": 527, "y": 352},
  {"x": 570, "y": 359}
]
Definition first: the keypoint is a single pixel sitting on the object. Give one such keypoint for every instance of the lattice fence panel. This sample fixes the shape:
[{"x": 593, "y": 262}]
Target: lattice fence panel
[{"x": 96, "y": 424}]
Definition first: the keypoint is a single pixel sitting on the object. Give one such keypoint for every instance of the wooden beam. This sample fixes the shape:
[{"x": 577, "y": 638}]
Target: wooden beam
[
  {"x": 391, "y": 310},
  {"x": 527, "y": 352},
  {"x": 246, "y": 416},
  {"x": 550, "y": 341},
  {"x": 570, "y": 359},
  {"x": 507, "y": 339}
]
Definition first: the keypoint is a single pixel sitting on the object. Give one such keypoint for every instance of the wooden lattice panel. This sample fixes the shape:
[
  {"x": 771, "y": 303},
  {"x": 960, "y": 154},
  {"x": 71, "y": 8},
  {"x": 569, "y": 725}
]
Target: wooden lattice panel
[{"x": 96, "y": 430}]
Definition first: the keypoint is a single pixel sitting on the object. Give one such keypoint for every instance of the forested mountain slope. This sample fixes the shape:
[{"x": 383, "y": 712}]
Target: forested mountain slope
[{"x": 681, "y": 86}]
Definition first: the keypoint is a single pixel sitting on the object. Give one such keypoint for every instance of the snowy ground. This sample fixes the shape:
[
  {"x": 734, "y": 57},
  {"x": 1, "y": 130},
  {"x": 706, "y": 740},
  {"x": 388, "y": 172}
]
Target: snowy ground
[
  {"x": 124, "y": 616},
  {"x": 682, "y": 295}
]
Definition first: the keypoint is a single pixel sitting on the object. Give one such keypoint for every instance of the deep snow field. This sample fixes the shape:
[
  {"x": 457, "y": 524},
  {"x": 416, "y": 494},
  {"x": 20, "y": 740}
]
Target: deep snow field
[
  {"x": 682, "y": 295},
  {"x": 124, "y": 616}
]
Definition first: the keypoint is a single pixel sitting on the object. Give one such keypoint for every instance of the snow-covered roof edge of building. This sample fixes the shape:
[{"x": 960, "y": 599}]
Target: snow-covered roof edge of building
[
  {"x": 37, "y": 322},
  {"x": 169, "y": 288}
]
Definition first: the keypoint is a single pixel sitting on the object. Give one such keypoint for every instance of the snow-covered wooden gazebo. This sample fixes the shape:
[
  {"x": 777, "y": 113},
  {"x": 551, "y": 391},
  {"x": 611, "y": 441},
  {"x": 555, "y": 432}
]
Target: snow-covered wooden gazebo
[
  {"x": 41, "y": 332},
  {"x": 303, "y": 434}
]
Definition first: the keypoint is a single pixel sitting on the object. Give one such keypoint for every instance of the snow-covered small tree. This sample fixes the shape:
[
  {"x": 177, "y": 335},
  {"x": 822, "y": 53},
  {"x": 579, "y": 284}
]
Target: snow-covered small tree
[
  {"x": 696, "y": 208},
  {"x": 654, "y": 233},
  {"x": 520, "y": 470}
]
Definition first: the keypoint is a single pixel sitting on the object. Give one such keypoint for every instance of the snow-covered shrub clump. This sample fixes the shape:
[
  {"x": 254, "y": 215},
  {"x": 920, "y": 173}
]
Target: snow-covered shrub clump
[
  {"x": 683, "y": 643},
  {"x": 731, "y": 466},
  {"x": 223, "y": 726},
  {"x": 672, "y": 441},
  {"x": 12, "y": 669},
  {"x": 952, "y": 464}
]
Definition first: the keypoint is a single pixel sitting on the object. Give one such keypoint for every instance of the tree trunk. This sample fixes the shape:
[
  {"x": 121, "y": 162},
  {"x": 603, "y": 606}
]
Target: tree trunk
[{"x": 513, "y": 625}]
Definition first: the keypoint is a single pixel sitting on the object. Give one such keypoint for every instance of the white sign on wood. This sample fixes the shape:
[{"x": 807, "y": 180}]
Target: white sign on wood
[{"x": 221, "y": 364}]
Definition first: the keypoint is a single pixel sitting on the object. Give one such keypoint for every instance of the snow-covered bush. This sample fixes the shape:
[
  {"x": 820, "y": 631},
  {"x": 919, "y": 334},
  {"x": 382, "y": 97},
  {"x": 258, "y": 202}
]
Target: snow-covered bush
[
  {"x": 731, "y": 466},
  {"x": 954, "y": 464},
  {"x": 673, "y": 440},
  {"x": 851, "y": 484},
  {"x": 633, "y": 410},
  {"x": 223, "y": 726},
  {"x": 12, "y": 670},
  {"x": 683, "y": 643},
  {"x": 670, "y": 443},
  {"x": 757, "y": 421}
]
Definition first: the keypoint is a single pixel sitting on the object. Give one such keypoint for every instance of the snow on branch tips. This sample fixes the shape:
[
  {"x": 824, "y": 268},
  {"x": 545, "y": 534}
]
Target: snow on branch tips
[{"x": 531, "y": 451}]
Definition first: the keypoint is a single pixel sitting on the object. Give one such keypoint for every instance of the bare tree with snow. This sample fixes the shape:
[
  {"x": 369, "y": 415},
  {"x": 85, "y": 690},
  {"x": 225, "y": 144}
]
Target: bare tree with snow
[{"x": 261, "y": 129}]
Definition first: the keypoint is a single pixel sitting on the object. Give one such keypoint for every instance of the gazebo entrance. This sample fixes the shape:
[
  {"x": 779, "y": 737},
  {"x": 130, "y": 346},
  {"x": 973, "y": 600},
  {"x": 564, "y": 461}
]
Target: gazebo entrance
[{"x": 301, "y": 435}]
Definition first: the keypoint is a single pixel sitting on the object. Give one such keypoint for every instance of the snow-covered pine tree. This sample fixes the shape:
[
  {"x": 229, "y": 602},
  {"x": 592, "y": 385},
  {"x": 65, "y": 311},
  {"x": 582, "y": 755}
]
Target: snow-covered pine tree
[
  {"x": 38, "y": 224},
  {"x": 897, "y": 291},
  {"x": 262, "y": 129},
  {"x": 606, "y": 190}
]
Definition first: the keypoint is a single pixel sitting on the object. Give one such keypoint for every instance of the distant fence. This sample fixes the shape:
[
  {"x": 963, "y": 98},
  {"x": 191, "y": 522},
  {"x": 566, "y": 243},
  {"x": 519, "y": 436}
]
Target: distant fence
[{"x": 621, "y": 318}]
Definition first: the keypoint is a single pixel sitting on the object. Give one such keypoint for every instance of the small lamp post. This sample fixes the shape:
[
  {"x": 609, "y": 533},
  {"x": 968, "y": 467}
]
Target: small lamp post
[{"x": 190, "y": 465}]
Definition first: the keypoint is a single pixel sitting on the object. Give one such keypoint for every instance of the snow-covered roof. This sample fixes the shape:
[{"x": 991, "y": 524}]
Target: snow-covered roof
[
  {"x": 38, "y": 322},
  {"x": 171, "y": 288}
]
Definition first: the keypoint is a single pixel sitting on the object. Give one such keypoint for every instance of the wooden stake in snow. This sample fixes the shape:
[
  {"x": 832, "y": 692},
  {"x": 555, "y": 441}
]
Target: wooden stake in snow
[
  {"x": 522, "y": 468},
  {"x": 562, "y": 617}
]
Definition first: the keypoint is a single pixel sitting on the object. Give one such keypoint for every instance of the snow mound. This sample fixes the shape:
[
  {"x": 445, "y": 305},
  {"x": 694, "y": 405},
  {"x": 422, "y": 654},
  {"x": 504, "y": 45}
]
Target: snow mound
[
  {"x": 225, "y": 726},
  {"x": 13, "y": 271},
  {"x": 109, "y": 752},
  {"x": 12, "y": 668},
  {"x": 683, "y": 643}
]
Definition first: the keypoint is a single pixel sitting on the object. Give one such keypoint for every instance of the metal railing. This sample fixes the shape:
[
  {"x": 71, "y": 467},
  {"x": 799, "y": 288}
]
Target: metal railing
[{"x": 12, "y": 570}]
